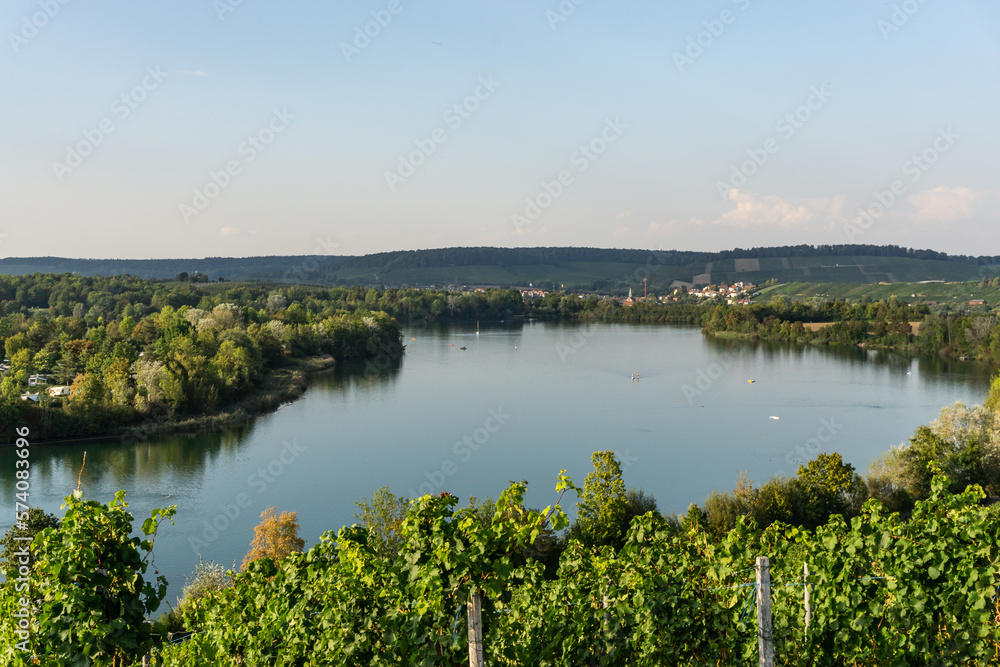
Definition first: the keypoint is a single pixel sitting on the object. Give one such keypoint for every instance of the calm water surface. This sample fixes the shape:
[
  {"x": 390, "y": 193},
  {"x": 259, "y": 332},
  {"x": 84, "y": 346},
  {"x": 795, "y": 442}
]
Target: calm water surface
[{"x": 519, "y": 403}]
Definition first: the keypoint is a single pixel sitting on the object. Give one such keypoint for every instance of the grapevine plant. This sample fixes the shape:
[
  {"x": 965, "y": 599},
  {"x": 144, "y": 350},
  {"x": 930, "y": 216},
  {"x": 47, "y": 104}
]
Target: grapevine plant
[
  {"x": 883, "y": 590},
  {"x": 86, "y": 591},
  {"x": 341, "y": 603}
]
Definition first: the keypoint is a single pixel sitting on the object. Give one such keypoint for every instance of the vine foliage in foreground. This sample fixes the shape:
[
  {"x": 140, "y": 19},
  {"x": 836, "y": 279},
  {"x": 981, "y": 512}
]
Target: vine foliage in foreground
[
  {"x": 88, "y": 595},
  {"x": 884, "y": 592}
]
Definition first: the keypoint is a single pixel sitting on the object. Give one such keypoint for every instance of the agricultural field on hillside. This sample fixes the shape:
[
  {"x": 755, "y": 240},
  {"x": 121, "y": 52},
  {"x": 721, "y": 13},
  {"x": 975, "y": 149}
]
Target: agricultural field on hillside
[
  {"x": 866, "y": 270},
  {"x": 955, "y": 295}
]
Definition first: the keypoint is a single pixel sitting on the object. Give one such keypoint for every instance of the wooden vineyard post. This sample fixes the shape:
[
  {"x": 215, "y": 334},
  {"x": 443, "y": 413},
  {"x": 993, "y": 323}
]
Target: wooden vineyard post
[
  {"x": 765, "y": 638},
  {"x": 809, "y": 611},
  {"x": 475, "y": 623}
]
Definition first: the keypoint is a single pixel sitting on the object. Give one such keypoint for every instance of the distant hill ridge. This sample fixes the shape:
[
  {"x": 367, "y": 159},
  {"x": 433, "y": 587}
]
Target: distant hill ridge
[{"x": 607, "y": 269}]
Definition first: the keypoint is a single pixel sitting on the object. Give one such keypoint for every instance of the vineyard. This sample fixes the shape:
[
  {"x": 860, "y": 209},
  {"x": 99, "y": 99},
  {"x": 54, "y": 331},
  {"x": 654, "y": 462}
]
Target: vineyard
[{"x": 883, "y": 591}]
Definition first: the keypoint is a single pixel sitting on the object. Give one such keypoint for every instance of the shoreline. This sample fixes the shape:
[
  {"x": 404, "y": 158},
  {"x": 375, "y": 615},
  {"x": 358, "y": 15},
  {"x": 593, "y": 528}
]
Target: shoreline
[
  {"x": 279, "y": 387},
  {"x": 909, "y": 350}
]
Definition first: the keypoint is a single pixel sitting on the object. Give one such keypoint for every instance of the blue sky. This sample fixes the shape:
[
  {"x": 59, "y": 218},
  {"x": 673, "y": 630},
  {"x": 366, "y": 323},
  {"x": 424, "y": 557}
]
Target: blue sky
[{"x": 190, "y": 129}]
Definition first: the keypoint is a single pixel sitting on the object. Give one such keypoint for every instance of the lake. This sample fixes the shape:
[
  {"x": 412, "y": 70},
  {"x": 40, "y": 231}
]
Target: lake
[{"x": 519, "y": 402}]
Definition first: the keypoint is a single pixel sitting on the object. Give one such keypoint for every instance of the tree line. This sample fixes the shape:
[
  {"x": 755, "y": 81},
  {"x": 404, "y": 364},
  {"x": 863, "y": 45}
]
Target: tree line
[
  {"x": 870, "y": 324},
  {"x": 131, "y": 350}
]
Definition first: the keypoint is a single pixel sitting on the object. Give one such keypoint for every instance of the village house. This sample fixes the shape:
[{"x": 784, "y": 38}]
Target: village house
[{"x": 738, "y": 292}]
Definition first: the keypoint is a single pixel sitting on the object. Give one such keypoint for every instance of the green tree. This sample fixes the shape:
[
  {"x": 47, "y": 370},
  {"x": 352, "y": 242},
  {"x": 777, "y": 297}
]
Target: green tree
[
  {"x": 383, "y": 517},
  {"x": 14, "y": 545},
  {"x": 603, "y": 506},
  {"x": 45, "y": 360},
  {"x": 89, "y": 593},
  {"x": 16, "y": 343},
  {"x": 827, "y": 484},
  {"x": 20, "y": 367},
  {"x": 118, "y": 380},
  {"x": 992, "y": 401}
]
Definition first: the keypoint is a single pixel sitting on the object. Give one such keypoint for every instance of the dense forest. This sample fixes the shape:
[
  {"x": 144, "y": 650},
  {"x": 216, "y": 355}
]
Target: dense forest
[
  {"x": 229, "y": 268},
  {"x": 98, "y": 355},
  {"x": 515, "y": 257},
  {"x": 326, "y": 268},
  {"x": 848, "y": 250}
]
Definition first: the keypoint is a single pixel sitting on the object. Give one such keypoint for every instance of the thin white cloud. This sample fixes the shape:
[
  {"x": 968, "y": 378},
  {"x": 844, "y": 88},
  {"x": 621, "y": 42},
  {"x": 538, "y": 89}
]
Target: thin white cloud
[
  {"x": 754, "y": 210},
  {"x": 529, "y": 229},
  {"x": 229, "y": 231},
  {"x": 771, "y": 211},
  {"x": 624, "y": 215},
  {"x": 659, "y": 230},
  {"x": 946, "y": 204}
]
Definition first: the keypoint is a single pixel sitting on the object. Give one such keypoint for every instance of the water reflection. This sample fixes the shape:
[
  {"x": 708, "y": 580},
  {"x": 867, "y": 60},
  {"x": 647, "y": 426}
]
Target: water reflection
[
  {"x": 934, "y": 369},
  {"x": 396, "y": 422},
  {"x": 181, "y": 456}
]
